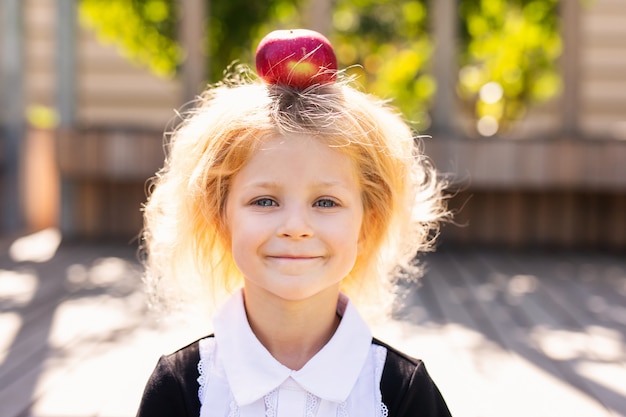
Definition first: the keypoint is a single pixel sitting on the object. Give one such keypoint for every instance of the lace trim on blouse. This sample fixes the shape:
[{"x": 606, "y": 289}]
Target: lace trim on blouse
[
  {"x": 379, "y": 359},
  {"x": 271, "y": 403},
  {"x": 234, "y": 408},
  {"x": 206, "y": 358},
  {"x": 207, "y": 350},
  {"x": 312, "y": 402}
]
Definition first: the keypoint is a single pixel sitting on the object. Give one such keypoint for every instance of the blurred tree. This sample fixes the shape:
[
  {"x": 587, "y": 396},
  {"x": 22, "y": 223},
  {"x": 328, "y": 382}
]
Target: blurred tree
[
  {"x": 508, "y": 48},
  {"x": 508, "y": 58},
  {"x": 386, "y": 44},
  {"x": 146, "y": 30}
]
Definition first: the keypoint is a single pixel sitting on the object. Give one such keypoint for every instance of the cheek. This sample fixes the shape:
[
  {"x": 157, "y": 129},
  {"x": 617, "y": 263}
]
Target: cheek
[
  {"x": 232, "y": 225},
  {"x": 238, "y": 248},
  {"x": 352, "y": 234},
  {"x": 245, "y": 236},
  {"x": 234, "y": 231}
]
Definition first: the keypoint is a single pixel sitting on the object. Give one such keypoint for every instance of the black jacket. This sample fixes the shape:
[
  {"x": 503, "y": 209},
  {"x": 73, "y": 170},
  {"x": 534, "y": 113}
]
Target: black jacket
[{"x": 407, "y": 389}]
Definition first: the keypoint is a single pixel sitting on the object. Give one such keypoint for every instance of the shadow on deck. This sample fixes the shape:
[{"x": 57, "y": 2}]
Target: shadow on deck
[{"x": 502, "y": 333}]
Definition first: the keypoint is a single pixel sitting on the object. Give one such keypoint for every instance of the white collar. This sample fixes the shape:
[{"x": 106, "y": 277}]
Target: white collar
[{"x": 252, "y": 372}]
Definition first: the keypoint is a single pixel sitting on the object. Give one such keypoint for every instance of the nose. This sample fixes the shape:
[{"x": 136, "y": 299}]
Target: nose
[{"x": 296, "y": 223}]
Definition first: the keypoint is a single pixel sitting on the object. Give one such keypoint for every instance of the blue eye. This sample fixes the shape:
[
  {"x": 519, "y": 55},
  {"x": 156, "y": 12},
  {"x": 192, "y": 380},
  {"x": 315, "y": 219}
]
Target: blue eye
[
  {"x": 325, "y": 203},
  {"x": 264, "y": 202}
]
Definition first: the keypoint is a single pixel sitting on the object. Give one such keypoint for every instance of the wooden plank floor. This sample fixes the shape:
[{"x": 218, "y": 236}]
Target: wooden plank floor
[{"x": 502, "y": 333}]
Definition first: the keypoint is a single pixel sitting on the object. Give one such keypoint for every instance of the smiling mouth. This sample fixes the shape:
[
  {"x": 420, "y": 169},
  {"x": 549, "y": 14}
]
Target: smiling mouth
[{"x": 293, "y": 258}]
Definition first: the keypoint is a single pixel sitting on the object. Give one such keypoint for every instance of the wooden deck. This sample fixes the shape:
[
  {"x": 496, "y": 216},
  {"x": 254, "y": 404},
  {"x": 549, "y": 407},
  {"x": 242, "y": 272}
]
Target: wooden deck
[{"x": 502, "y": 333}]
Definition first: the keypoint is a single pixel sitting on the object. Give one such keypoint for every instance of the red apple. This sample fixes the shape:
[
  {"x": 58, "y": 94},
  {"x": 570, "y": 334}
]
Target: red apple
[{"x": 298, "y": 58}]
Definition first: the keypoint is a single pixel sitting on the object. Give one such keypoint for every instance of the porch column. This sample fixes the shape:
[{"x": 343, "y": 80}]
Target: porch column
[
  {"x": 318, "y": 15},
  {"x": 444, "y": 23},
  {"x": 192, "y": 34},
  {"x": 11, "y": 112},
  {"x": 570, "y": 67},
  {"x": 66, "y": 98}
]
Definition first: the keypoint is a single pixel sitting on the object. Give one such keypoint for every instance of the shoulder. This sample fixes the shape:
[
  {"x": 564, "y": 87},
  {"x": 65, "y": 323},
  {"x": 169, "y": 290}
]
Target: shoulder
[
  {"x": 185, "y": 357},
  {"x": 407, "y": 388},
  {"x": 399, "y": 362},
  {"x": 401, "y": 371},
  {"x": 181, "y": 365},
  {"x": 172, "y": 389}
]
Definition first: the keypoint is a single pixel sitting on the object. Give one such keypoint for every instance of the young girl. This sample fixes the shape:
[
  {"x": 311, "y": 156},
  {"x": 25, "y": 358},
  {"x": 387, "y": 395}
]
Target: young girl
[{"x": 298, "y": 204}]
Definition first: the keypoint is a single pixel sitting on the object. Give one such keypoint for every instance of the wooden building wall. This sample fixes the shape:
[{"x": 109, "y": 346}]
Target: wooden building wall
[
  {"x": 39, "y": 52},
  {"x": 603, "y": 69},
  {"x": 114, "y": 92},
  {"x": 115, "y": 144},
  {"x": 561, "y": 193},
  {"x": 37, "y": 176},
  {"x": 88, "y": 179}
]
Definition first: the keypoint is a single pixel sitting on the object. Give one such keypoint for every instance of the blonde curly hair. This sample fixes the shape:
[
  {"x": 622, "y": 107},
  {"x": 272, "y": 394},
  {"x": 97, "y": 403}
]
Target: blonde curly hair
[{"x": 185, "y": 238}]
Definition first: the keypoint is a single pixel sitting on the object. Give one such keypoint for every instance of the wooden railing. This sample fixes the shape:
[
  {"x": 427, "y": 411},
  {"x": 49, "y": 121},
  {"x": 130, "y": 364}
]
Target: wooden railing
[
  {"x": 540, "y": 193},
  {"x": 104, "y": 174},
  {"x": 109, "y": 154},
  {"x": 543, "y": 164}
]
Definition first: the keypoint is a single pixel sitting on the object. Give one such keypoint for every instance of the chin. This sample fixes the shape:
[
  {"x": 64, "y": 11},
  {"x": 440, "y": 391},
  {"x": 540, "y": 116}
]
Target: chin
[{"x": 299, "y": 294}]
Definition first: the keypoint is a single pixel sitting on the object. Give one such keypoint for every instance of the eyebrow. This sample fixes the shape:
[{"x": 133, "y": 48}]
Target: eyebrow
[{"x": 272, "y": 185}]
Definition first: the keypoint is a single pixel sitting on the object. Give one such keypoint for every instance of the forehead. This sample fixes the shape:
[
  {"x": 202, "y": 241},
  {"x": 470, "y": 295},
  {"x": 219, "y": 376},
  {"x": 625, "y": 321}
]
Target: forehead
[{"x": 300, "y": 156}]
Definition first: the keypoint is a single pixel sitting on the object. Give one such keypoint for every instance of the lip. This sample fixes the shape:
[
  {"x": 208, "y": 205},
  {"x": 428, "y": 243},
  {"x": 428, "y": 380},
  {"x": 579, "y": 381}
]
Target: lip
[{"x": 293, "y": 257}]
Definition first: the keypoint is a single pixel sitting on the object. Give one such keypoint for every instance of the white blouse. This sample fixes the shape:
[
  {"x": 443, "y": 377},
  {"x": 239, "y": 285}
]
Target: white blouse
[{"x": 240, "y": 378}]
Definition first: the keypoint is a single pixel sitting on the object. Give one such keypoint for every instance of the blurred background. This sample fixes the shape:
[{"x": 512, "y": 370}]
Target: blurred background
[{"x": 522, "y": 104}]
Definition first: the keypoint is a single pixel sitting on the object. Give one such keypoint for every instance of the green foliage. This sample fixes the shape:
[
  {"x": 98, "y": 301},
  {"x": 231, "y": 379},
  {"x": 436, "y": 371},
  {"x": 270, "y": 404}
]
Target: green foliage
[
  {"x": 236, "y": 26},
  {"x": 145, "y": 30},
  {"x": 508, "y": 59},
  {"x": 386, "y": 45},
  {"x": 508, "y": 48}
]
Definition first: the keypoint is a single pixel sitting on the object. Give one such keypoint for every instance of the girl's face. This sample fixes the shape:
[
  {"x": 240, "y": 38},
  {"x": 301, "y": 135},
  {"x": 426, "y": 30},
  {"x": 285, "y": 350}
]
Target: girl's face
[{"x": 294, "y": 214}]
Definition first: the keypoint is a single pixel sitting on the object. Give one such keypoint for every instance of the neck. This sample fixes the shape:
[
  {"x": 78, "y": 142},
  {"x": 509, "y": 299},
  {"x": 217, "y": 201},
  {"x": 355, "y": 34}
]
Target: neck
[{"x": 293, "y": 331}]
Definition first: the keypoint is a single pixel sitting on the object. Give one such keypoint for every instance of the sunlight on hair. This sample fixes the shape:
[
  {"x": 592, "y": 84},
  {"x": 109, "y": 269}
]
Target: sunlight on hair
[
  {"x": 37, "y": 247},
  {"x": 10, "y": 323}
]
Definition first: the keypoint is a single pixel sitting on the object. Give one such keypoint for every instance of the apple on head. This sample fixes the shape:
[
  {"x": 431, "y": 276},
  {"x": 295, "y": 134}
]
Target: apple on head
[{"x": 297, "y": 58}]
